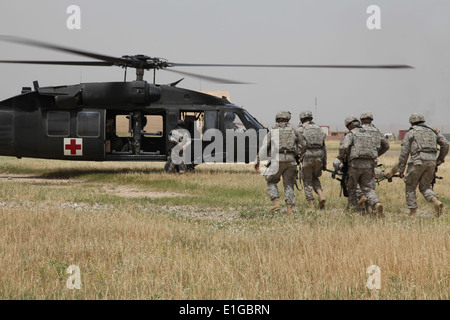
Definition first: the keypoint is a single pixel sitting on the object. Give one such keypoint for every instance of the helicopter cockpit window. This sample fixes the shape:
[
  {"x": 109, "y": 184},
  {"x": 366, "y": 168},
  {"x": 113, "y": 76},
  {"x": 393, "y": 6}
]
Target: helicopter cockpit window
[
  {"x": 232, "y": 120},
  {"x": 58, "y": 124},
  {"x": 255, "y": 123},
  {"x": 88, "y": 124}
]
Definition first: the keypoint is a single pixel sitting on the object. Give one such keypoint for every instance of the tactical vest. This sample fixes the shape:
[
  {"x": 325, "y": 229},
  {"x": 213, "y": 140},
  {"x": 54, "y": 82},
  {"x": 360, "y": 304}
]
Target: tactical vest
[
  {"x": 363, "y": 145},
  {"x": 286, "y": 136},
  {"x": 314, "y": 135},
  {"x": 375, "y": 133},
  {"x": 425, "y": 140}
]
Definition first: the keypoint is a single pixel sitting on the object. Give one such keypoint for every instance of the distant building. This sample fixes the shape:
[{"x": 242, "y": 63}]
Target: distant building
[
  {"x": 401, "y": 134},
  {"x": 336, "y": 135}
]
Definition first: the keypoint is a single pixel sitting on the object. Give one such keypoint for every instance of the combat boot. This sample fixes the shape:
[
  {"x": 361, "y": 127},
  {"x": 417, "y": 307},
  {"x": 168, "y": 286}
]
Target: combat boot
[
  {"x": 276, "y": 204},
  {"x": 289, "y": 210},
  {"x": 438, "y": 206},
  {"x": 413, "y": 212},
  {"x": 379, "y": 210},
  {"x": 321, "y": 199}
]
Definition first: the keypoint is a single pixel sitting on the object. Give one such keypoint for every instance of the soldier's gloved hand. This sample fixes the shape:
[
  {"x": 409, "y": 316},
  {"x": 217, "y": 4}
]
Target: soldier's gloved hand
[
  {"x": 337, "y": 165},
  {"x": 401, "y": 175},
  {"x": 438, "y": 163}
]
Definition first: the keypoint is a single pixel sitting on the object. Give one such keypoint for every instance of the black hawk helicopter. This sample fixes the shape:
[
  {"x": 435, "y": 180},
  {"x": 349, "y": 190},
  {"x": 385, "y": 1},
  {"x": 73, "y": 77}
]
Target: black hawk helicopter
[{"x": 123, "y": 121}]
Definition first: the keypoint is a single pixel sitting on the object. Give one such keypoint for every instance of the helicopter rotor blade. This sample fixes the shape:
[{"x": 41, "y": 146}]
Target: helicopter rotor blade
[
  {"x": 208, "y": 78},
  {"x": 40, "y": 44},
  {"x": 64, "y": 63},
  {"x": 347, "y": 66}
]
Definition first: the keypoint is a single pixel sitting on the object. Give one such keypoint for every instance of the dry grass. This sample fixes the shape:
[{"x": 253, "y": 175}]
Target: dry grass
[{"x": 211, "y": 237}]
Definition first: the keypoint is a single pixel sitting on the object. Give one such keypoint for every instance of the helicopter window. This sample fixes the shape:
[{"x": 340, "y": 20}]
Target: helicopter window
[
  {"x": 88, "y": 124},
  {"x": 58, "y": 124},
  {"x": 210, "y": 120},
  {"x": 255, "y": 123},
  {"x": 233, "y": 121},
  {"x": 153, "y": 126},
  {"x": 123, "y": 126},
  {"x": 194, "y": 122}
]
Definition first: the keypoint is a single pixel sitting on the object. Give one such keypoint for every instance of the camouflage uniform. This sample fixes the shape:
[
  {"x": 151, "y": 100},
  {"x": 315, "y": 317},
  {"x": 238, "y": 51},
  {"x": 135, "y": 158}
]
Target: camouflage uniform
[
  {"x": 313, "y": 155},
  {"x": 288, "y": 150},
  {"x": 420, "y": 146},
  {"x": 378, "y": 139},
  {"x": 360, "y": 151}
]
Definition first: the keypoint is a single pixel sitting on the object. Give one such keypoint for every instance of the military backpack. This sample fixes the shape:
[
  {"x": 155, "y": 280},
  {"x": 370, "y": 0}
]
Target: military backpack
[{"x": 363, "y": 145}]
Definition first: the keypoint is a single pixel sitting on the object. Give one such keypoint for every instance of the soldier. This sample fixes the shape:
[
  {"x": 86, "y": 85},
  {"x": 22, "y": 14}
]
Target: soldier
[
  {"x": 113, "y": 142},
  {"x": 287, "y": 165},
  {"x": 359, "y": 152},
  {"x": 421, "y": 144},
  {"x": 176, "y": 137},
  {"x": 382, "y": 147},
  {"x": 313, "y": 157}
]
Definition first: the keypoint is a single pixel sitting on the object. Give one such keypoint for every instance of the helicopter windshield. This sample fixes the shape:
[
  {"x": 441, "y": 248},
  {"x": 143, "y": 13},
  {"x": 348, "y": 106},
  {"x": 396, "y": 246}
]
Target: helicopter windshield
[{"x": 255, "y": 123}]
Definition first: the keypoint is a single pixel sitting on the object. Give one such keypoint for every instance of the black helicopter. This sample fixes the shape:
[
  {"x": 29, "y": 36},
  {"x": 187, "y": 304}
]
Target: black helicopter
[{"x": 127, "y": 120}]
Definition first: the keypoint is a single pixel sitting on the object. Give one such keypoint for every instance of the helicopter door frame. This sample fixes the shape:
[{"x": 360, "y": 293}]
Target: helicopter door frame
[{"x": 197, "y": 122}]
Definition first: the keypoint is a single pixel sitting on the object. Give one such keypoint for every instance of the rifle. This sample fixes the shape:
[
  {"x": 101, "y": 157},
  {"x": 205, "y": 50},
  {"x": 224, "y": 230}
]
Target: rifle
[
  {"x": 343, "y": 175},
  {"x": 388, "y": 179},
  {"x": 299, "y": 177},
  {"x": 435, "y": 177}
]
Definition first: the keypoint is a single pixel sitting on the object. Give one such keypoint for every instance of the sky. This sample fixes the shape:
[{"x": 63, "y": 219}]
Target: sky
[{"x": 412, "y": 32}]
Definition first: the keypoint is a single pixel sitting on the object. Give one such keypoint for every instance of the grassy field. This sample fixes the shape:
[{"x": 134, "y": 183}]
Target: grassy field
[{"x": 138, "y": 233}]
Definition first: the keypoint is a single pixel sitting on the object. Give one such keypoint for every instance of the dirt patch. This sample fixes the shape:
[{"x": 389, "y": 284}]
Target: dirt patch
[
  {"x": 36, "y": 179},
  {"x": 128, "y": 192}
]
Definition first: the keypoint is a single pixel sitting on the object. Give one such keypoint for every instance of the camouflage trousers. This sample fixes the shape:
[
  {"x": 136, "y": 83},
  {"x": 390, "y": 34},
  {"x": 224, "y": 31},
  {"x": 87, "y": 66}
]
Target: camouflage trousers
[
  {"x": 311, "y": 171},
  {"x": 287, "y": 170},
  {"x": 364, "y": 178},
  {"x": 359, "y": 192},
  {"x": 172, "y": 168},
  {"x": 421, "y": 175}
]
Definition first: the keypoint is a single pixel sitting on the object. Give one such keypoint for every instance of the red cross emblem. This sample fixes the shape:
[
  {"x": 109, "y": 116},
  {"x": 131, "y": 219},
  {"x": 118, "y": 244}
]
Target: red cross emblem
[{"x": 73, "y": 147}]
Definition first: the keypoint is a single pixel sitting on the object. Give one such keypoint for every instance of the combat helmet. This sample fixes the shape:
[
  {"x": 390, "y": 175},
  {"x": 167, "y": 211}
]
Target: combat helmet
[
  {"x": 283, "y": 115},
  {"x": 305, "y": 114},
  {"x": 351, "y": 119},
  {"x": 230, "y": 116},
  {"x": 366, "y": 115},
  {"x": 416, "y": 117}
]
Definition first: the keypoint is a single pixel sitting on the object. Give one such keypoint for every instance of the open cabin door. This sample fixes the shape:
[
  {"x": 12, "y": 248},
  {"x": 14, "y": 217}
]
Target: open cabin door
[{"x": 135, "y": 136}]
